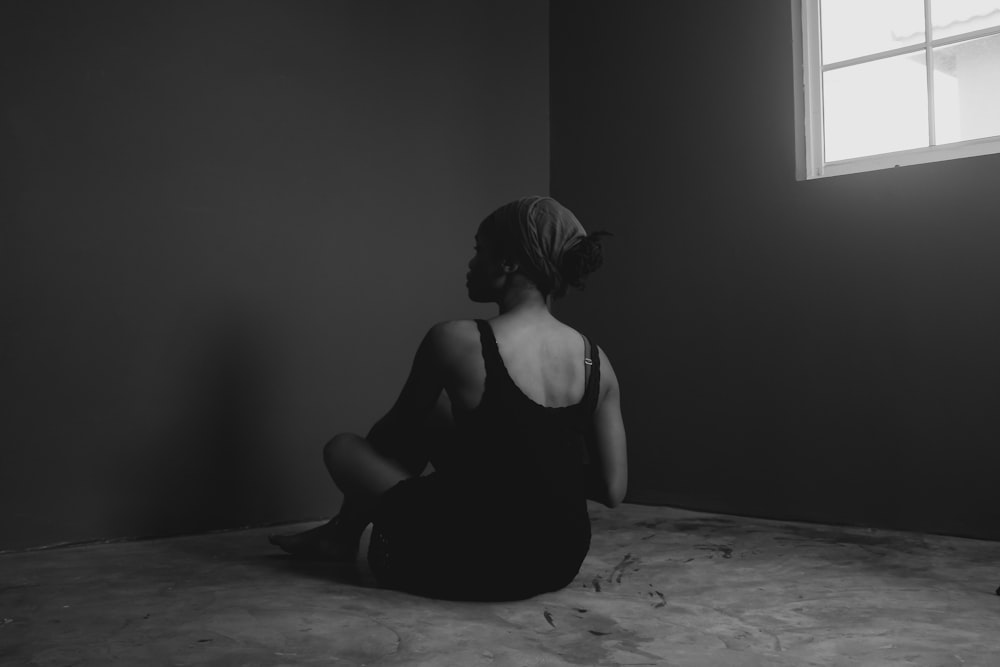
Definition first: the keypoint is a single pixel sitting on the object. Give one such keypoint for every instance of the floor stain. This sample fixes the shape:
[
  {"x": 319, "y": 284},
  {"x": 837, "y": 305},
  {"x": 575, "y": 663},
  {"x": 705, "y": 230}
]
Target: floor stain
[
  {"x": 849, "y": 536},
  {"x": 726, "y": 552},
  {"x": 620, "y": 568},
  {"x": 663, "y": 599},
  {"x": 707, "y": 523}
]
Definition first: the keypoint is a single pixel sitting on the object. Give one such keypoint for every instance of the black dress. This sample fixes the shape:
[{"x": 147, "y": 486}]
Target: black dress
[{"x": 504, "y": 515}]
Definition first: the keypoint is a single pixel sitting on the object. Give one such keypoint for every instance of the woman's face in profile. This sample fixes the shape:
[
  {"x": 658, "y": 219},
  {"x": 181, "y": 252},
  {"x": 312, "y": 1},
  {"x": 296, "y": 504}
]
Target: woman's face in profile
[{"x": 485, "y": 278}]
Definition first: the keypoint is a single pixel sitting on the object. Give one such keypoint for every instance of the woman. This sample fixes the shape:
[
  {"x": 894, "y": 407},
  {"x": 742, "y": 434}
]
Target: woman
[{"x": 520, "y": 418}]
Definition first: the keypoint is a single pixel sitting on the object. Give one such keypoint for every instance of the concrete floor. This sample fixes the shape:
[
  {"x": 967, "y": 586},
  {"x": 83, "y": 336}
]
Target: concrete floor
[{"x": 660, "y": 587}]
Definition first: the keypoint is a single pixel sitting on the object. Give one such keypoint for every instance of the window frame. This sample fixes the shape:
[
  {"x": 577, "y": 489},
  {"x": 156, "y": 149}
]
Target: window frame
[{"x": 810, "y": 160}]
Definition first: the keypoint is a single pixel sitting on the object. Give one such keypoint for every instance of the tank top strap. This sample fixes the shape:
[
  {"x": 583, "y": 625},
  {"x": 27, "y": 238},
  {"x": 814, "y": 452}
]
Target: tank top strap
[
  {"x": 491, "y": 352},
  {"x": 592, "y": 373}
]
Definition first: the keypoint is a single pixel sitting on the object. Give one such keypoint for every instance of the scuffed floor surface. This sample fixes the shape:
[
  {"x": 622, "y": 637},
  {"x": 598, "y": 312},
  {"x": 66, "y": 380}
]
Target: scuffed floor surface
[{"x": 660, "y": 587}]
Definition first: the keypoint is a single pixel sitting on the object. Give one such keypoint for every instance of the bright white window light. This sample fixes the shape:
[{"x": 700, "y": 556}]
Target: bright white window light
[{"x": 897, "y": 82}]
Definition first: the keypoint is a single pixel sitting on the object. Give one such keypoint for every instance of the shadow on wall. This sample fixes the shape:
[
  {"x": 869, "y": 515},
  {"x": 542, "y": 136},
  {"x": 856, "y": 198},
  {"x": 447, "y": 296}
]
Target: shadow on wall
[{"x": 208, "y": 467}]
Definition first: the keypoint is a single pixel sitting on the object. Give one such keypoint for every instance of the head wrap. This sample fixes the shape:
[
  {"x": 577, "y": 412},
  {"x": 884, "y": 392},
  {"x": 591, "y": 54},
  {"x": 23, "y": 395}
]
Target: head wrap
[{"x": 539, "y": 230}]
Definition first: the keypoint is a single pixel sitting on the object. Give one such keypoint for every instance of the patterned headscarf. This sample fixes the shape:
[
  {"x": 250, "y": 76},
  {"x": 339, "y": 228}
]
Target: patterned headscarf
[{"x": 539, "y": 230}]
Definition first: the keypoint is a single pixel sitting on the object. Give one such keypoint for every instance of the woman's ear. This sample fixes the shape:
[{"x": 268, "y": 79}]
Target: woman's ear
[{"x": 509, "y": 267}]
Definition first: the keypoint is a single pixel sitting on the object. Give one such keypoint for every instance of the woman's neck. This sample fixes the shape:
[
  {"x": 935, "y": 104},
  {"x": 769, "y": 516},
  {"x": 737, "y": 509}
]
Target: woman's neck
[{"x": 524, "y": 298}]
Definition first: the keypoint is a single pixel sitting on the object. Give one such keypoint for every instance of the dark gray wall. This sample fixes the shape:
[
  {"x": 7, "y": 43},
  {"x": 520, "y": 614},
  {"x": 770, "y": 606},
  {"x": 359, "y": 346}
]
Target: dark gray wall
[
  {"x": 225, "y": 228},
  {"x": 823, "y": 350}
]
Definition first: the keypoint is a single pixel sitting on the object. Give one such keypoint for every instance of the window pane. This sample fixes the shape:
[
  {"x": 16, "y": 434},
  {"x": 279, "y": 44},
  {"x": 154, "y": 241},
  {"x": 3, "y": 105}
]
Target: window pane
[
  {"x": 954, "y": 17},
  {"x": 853, "y": 28},
  {"x": 967, "y": 90},
  {"x": 876, "y": 107}
]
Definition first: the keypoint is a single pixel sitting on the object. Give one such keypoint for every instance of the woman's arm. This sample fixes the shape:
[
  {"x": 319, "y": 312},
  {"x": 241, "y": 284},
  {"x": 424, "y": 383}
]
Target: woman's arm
[
  {"x": 607, "y": 470},
  {"x": 420, "y": 393}
]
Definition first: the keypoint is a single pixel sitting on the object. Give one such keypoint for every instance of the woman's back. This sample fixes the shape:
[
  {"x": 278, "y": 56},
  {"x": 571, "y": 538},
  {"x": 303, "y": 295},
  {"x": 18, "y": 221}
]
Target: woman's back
[{"x": 544, "y": 358}]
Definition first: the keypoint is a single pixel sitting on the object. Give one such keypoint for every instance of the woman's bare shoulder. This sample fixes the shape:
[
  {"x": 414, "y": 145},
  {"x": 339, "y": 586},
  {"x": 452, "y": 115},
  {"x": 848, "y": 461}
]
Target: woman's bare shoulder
[
  {"x": 455, "y": 330},
  {"x": 452, "y": 339}
]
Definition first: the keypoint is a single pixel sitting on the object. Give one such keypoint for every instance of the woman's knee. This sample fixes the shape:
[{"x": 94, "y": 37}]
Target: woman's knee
[
  {"x": 339, "y": 444},
  {"x": 357, "y": 468}
]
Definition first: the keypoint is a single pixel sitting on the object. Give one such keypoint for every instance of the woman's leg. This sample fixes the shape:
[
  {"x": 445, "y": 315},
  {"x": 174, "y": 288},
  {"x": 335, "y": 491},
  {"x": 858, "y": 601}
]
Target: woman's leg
[
  {"x": 424, "y": 444},
  {"x": 364, "y": 481},
  {"x": 363, "y": 470},
  {"x": 363, "y": 475}
]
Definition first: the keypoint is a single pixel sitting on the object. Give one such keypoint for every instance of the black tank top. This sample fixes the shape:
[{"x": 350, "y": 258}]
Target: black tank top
[
  {"x": 522, "y": 450},
  {"x": 505, "y": 514}
]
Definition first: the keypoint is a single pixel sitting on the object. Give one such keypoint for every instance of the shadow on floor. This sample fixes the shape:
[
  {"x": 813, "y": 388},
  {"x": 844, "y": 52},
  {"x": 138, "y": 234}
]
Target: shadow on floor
[{"x": 351, "y": 574}]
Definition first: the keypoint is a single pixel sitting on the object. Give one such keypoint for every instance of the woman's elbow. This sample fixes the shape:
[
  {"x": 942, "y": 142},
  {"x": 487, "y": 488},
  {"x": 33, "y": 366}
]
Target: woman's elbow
[{"x": 615, "y": 495}]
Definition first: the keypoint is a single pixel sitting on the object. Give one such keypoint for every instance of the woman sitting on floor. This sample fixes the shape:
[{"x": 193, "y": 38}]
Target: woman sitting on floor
[{"x": 520, "y": 418}]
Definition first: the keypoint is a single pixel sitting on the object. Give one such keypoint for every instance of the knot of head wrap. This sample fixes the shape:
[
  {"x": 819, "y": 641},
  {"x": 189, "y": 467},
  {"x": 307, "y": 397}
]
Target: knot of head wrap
[{"x": 540, "y": 230}]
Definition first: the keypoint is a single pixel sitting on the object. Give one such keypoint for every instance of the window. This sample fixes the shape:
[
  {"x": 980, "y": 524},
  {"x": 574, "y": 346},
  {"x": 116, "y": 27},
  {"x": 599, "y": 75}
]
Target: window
[{"x": 889, "y": 83}]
